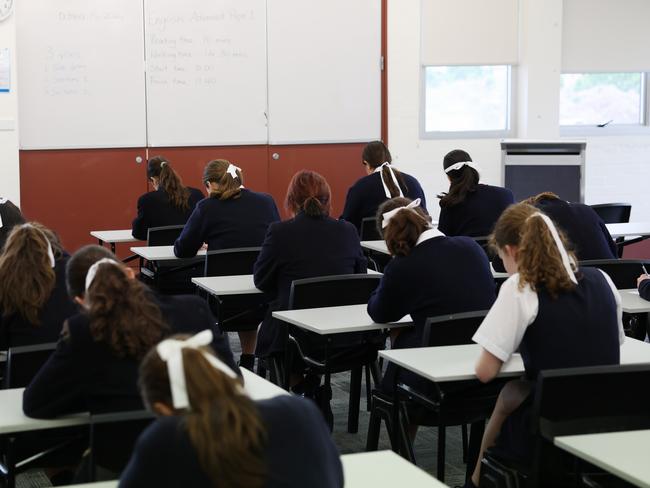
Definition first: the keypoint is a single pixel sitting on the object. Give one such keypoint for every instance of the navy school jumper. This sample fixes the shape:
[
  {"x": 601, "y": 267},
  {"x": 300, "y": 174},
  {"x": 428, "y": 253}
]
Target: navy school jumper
[{"x": 156, "y": 210}]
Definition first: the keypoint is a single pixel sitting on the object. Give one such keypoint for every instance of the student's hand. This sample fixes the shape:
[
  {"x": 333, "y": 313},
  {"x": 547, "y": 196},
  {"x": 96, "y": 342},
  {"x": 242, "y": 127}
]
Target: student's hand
[
  {"x": 204, "y": 247},
  {"x": 641, "y": 278}
]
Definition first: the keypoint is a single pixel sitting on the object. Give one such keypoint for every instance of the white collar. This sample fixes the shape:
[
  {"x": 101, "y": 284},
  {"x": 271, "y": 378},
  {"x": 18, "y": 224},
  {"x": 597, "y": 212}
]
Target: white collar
[{"x": 429, "y": 234}]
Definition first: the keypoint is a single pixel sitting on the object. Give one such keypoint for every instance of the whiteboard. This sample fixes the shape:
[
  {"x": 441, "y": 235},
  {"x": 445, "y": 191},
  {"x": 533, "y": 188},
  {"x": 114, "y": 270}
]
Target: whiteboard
[
  {"x": 206, "y": 72},
  {"x": 324, "y": 77},
  {"x": 81, "y": 74}
]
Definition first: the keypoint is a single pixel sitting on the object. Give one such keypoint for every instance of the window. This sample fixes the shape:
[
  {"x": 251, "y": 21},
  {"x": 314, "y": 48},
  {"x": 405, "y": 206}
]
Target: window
[
  {"x": 466, "y": 100},
  {"x": 603, "y": 99}
]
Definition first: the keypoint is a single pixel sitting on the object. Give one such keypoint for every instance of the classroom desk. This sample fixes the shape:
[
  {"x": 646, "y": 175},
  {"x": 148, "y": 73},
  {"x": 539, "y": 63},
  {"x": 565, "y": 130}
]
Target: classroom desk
[
  {"x": 623, "y": 454},
  {"x": 336, "y": 320},
  {"x": 631, "y": 302},
  {"x": 161, "y": 253},
  {"x": 456, "y": 363},
  {"x": 113, "y": 237},
  {"x": 629, "y": 229},
  {"x": 384, "y": 469},
  {"x": 13, "y": 420}
]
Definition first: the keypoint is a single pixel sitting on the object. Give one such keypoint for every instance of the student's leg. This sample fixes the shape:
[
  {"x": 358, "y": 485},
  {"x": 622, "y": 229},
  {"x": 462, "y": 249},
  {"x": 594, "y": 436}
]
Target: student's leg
[
  {"x": 248, "y": 340},
  {"x": 512, "y": 395}
]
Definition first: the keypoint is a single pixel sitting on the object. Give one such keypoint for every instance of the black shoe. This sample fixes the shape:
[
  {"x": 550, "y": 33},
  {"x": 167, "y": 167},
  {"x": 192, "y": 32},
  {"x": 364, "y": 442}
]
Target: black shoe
[
  {"x": 247, "y": 361},
  {"x": 323, "y": 397}
]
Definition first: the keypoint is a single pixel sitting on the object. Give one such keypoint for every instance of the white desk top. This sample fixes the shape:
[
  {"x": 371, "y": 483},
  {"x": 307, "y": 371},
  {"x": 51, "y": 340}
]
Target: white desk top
[
  {"x": 623, "y": 454},
  {"x": 632, "y": 302},
  {"x": 629, "y": 229},
  {"x": 384, "y": 469},
  {"x": 160, "y": 253},
  {"x": 336, "y": 320},
  {"x": 12, "y": 418},
  {"x": 113, "y": 236},
  {"x": 97, "y": 484},
  {"x": 456, "y": 363}
]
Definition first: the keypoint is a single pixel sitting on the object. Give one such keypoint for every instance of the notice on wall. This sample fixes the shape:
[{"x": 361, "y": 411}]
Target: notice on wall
[{"x": 5, "y": 70}]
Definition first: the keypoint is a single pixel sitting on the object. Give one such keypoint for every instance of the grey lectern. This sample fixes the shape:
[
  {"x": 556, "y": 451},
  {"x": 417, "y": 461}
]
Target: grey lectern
[{"x": 530, "y": 167}]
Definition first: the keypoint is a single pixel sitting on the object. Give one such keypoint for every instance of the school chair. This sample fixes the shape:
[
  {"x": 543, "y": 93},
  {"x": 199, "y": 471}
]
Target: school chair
[
  {"x": 335, "y": 353},
  {"x": 615, "y": 213},
  {"x": 23, "y": 363},
  {"x": 369, "y": 231},
  {"x": 572, "y": 401},
  {"x": 435, "y": 404}
]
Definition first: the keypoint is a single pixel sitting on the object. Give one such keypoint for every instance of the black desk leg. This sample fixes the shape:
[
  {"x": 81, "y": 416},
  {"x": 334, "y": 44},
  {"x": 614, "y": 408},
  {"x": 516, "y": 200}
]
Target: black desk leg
[
  {"x": 394, "y": 428},
  {"x": 474, "y": 447}
]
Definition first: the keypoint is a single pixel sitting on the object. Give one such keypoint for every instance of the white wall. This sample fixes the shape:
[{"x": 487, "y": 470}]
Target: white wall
[
  {"x": 9, "y": 166},
  {"x": 618, "y": 168}
]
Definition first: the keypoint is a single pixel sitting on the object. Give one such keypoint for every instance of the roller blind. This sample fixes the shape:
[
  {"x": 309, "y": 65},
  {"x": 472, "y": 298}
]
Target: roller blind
[
  {"x": 606, "y": 35},
  {"x": 469, "y": 32}
]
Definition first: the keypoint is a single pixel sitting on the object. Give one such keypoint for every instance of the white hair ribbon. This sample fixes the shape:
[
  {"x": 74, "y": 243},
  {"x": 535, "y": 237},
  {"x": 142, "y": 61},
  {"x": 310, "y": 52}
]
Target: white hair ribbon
[
  {"x": 92, "y": 271},
  {"x": 163, "y": 164},
  {"x": 389, "y": 215},
  {"x": 2, "y": 202},
  {"x": 566, "y": 260},
  {"x": 171, "y": 351},
  {"x": 459, "y": 165},
  {"x": 392, "y": 175},
  {"x": 232, "y": 171}
]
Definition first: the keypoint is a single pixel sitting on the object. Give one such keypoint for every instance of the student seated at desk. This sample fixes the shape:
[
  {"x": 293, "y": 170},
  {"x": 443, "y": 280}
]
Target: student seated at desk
[
  {"x": 557, "y": 316},
  {"x": 430, "y": 275},
  {"x": 232, "y": 216},
  {"x": 643, "y": 284},
  {"x": 308, "y": 245},
  {"x": 469, "y": 208},
  {"x": 583, "y": 227},
  {"x": 33, "y": 299},
  {"x": 382, "y": 183},
  {"x": 10, "y": 216},
  {"x": 94, "y": 367},
  {"x": 170, "y": 203},
  {"x": 210, "y": 433}
]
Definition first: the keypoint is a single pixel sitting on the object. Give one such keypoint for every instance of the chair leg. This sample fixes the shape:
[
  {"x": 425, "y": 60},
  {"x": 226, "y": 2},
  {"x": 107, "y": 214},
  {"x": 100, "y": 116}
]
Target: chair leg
[
  {"x": 407, "y": 443},
  {"x": 474, "y": 446},
  {"x": 374, "y": 426},
  {"x": 463, "y": 434},
  {"x": 261, "y": 368},
  {"x": 442, "y": 431},
  {"x": 368, "y": 388},
  {"x": 355, "y": 399},
  {"x": 11, "y": 463}
]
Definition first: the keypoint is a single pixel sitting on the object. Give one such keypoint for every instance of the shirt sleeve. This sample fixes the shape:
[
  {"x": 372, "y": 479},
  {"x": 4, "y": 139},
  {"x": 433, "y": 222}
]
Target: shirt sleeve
[
  {"x": 619, "y": 307},
  {"x": 505, "y": 324}
]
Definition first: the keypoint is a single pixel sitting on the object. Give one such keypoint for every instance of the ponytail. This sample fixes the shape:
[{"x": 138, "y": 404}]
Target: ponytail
[
  {"x": 224, "y": 425},
  {"x": 170, "y": 182},
  {"x": 216, "y": 171},
  {"x": 122, "y": 314},
  {"x": 538, "y": 258},
  {"x": 374, "y": 155},
  {"x": 463, "y": 181},
  {"x": 404, "y": 229}
]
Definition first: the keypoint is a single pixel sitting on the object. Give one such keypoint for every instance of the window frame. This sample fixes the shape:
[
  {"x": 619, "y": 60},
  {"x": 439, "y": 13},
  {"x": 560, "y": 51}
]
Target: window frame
[
  {"x": 615, "y": 129},
  {"x": 473, "y": 134}
]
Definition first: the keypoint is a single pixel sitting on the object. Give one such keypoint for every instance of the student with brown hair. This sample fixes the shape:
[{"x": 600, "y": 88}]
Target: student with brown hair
[
  {"x": 556, "y": 315},
  {"x": 429, "y": 275},
  {"x": 33, "y": 299},
  {"x": 170, "y": 203},
  {"x": 381, "y": 183},
  {"x": 210, "y": 433},
  {"x": 469, "y": 208},
  {"x": 10, "y": 216},
  {"x": 232, "y": 216}
]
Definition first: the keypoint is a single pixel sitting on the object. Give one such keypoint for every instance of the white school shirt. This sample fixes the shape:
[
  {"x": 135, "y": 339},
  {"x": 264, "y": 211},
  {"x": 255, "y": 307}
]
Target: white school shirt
[{"x": 514, "y": 310}]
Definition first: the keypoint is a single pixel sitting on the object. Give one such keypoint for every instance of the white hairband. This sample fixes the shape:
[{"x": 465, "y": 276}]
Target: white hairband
[
  {"x": 459, "y": 165},
  {"x": 50, "y": 252},
  {"x": 163, "y": 164},
  {"x": 566, "y": 261},
  {"x": 2, "y": 202},
  {"x": 92, "y": 271},
  {"x": 232, "y": 171},
  {"x": 389, "y": 215},
  {"x": 392, "y": 175},
  {"x": 171, "y": 351}
]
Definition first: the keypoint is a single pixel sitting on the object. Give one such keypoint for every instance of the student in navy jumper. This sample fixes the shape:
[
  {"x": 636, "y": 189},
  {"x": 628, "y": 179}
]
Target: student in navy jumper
[
  {"x": 556, "y": 315},
  {"x": 33, "y": 299},
  {"x": 170, "y": 203},
  {"x": 382, "y": 183},
  {"x": 429, "y": 275},
  {"x": 210, "y": 433},
  {"x": 232, "y": 216},
  {"x": 308, "y": 245},
  {"x": 469, "y": 208},
  {"x": 583, "y": 227},
  {"x": 9, "y": 217},
  {"x": 95, "y": 365}
]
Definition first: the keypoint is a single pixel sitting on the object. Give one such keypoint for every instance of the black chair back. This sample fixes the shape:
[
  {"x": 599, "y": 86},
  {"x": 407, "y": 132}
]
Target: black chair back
[
  {"x": 230, "y": 262},
  {"x": 332, "y": 291},
  {"x": 452, "y": 330},
  {"x": 623, "y": 272},
  {"x": 369, "y": 231},
  {"x": 163, "y": 236},
  {"x": 613, "y": 213},
  {"x": 24, "y": 362}
]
